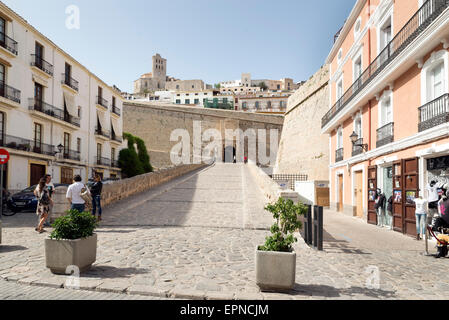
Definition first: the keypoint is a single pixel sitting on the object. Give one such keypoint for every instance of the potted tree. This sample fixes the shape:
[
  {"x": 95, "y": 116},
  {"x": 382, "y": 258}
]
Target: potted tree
[
  {"x": 276, "y": 259},
  {"x": 72, "y": 242}
]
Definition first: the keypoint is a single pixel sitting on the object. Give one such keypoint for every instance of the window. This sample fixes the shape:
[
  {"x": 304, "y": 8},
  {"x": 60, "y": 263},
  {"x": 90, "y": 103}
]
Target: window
[
  {"x": 113, "y": 102},
  {"x": 197, "y": 101},
  {"x": 385, "y": 34},
  {"x": 78, "y": 145},
  {"x": 204, "y": 101},
  {"x": 39, "y": 55},
  {"x": 79, "y": 112},
  {"x": 386, "y": 112},
  {"x": 38, "y": 95},
  {"x": 37, "y": 137},
  {"x": 113, "y": 154},
  {"x": 187, "y": 101},
  {"x": 2, "y": 127},
  {"x": 340, "y": 138},
  {"x": 178, "y": 101},
  {"x": 357, "y": 27},
  {"x": 66, "y": 143},
  {"x": 339, "y": 56},
  {"x": 100, "y": 94},
  {"x": 257, "y": 104},
  {"x": 98, "y": 153},
  {"x": 358, "y": 125},
  {"x": 436, "y": 82},
  {"x": 68, "y": 73},
  {"x": 281, "y": 104},
  {"x": 357, "y": 68},
  {"x": 339, "y": 89}
]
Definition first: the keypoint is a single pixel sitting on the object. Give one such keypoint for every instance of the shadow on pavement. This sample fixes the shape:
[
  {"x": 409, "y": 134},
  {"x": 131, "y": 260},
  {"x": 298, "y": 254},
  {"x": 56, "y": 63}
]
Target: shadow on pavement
[
  {"x": 332, "y": 292},
  {"x": 5, "y": 249},
  {"x": 333, "y": 245},
  {"x": 108, "y": 272}
]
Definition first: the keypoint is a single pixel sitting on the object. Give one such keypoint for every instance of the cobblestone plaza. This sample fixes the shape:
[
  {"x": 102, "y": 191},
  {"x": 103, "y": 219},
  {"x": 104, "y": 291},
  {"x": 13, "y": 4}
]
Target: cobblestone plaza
[{"x": 195, "y": 238}]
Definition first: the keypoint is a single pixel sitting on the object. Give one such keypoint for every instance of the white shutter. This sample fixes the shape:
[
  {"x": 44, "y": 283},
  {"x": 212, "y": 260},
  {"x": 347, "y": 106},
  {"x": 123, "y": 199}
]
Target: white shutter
[{"x": 102, "y": 118}]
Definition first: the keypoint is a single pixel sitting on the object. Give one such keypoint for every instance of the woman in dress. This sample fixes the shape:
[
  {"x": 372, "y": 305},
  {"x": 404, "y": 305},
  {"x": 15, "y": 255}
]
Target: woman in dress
[{"x": 43, "y": 206}]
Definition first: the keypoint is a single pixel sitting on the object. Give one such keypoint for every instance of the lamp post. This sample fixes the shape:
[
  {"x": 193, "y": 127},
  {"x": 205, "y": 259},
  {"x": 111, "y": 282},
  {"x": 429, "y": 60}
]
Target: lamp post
[{"x": 354, "y": 138}]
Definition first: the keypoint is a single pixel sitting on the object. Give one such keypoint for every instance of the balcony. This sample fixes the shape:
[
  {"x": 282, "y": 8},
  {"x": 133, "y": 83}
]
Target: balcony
[
  {"x": 70, "y": 82},
  {"x": 26, "y": 145},
  {"x": 100, "y": 161},
  {"x": 116, "y": 138},
  {"x": 41, "y": 64},
  {"x": 8, "y": 43},
  {"x": 103, "y": 133},
  {"x": 116, "y": 110},
  {"x": 385, "y": 135},
  {"x": 71, "y": 155},
  {"x": 102, "y": 102},
  {"x": 40, "y": 106},
  {"x": 114, "y": 164},
  {"x": 9, "y": 93},
  {"x": 356, "y": 148},
  {"x": 339, "y": 155},
  {"x": 412, "y": 29},
  {"x": 434, "y": 113}
]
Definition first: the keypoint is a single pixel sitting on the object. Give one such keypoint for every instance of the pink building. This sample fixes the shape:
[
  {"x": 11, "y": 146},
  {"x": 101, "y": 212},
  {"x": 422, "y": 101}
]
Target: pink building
[{"x": 388, "y": 121}]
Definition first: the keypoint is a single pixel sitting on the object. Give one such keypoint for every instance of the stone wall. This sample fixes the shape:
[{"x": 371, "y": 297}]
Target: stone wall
[
  {"x": 154, "y": 123},
  {"x": 125, "y": 188},
  {"x": 303, "y": 149}
]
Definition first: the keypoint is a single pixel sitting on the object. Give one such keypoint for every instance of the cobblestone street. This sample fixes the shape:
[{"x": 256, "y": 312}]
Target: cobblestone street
[{"x": 196, "y": 236}]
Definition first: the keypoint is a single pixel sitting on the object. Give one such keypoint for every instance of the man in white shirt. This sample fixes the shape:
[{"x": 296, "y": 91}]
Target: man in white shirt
[{"x": 74, "y": 195}]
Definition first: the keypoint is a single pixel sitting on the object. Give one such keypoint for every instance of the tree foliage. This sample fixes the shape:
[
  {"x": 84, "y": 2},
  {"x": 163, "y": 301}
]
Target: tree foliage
[
  {"x": 286, "y": 214},
  {"x": 132, "y": 162}
]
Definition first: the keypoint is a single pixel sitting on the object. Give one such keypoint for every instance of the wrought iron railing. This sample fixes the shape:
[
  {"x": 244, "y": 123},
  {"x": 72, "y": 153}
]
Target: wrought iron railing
[
  {"x": 69, "y": 81},
  {"x": 9, "y": 92},
  {"x": 428, "y": 12},
  {"x": 103, "y": 161},
  {"x": 102, "y": 102},
  {"x": 26, "y": 145},
  {"x": 8, "y": 43},
  {"x": 71, "y": 155},
  {"x": 115, "y": 110},
  {"x": 434, "y": 113},
  {"x": 114, "y": 164},
  {"x": 339, "y": 155},
  {"x": 116, "y": 137},
  {"x": 40, "y": 106},
  {"x": 357, "y": 147},
  {"x": 102, "y": 132},
  {"x": 385, "y": 135},
  {"x": 40, "y": 63}
]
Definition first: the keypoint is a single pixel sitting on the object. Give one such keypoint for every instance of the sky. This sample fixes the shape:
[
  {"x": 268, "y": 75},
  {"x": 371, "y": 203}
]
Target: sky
[{"x": 201, "y": 39}]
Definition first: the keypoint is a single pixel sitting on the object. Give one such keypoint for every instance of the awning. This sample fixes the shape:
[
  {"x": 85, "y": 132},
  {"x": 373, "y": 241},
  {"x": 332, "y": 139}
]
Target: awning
[
  {"x": 116, "y": 127},
  {"x": 102, "y": 119},
  {"x": 70, "y": 104}
]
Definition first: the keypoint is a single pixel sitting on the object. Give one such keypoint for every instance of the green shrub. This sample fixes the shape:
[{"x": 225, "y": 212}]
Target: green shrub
[
  {"x": 286, "y": 214},
  {"x": 74, "y": 225},
  {"x": 144, "y": 158}
]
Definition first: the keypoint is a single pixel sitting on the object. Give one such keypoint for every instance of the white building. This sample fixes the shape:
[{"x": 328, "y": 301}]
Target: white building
[
  {"x": 48, "y": 99},
  {"x": 198, "y": 98}
]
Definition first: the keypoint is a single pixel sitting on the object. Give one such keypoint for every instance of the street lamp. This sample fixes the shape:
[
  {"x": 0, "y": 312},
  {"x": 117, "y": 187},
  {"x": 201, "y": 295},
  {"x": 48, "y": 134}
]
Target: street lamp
[
  {"x": 354, "y": 138},
  {"x": 60, "y": 148}
]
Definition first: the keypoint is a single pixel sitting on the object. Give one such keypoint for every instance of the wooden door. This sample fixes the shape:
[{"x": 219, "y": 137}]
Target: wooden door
[
  {"x": 340, "y": 193},
  {"x": 358, "y": 193},
  {"x": 66, "y": 175},
  {"x": 37, "y": 172},
  {"x": 398, "y": 197},
  {"x": 372, "y": 187},
  {"x": 411, "y": 190}
]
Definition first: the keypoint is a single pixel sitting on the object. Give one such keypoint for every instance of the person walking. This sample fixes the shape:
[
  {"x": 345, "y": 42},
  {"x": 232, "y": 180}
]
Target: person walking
[
  {"x": 95, "y": 191},
  {"x": 51, "y": 188},
  {"x": 74, "y": 194},
  {"x": 43, "y": 205}
]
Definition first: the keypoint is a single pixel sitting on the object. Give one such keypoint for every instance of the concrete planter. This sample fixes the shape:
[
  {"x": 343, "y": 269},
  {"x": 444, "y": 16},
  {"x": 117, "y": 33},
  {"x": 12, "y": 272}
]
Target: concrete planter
[
  {"x": 275, "y": 271},
  {"x": 59, "y": 254}
]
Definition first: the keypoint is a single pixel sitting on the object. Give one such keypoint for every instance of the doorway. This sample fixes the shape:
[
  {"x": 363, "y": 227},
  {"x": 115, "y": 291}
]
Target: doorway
[
  {"x": 340, "y": 193},
  {"x": 37, "y": 171},
  {"x": 387, "y": 189},
  {"x": 358, "y": 194}
]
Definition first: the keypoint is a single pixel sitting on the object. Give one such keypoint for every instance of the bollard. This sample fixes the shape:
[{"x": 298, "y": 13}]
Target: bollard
[
  {"x": 308, "y": 225},
  {"x": 318, "y": 227}
]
